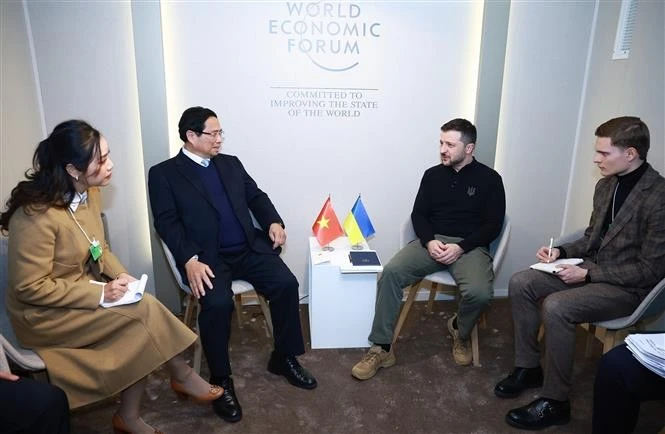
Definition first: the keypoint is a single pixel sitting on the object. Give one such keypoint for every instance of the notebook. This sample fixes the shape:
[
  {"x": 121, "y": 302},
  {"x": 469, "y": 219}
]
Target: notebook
[
  {"x": 553, "y": 267},
  {"x": 134, "y": 293},
  {"x": 364, "y": 258}
]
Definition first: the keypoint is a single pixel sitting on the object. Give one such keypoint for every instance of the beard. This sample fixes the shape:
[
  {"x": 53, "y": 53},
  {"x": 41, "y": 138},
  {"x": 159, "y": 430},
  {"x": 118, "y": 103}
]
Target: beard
[{"x": 451, "y": 160}]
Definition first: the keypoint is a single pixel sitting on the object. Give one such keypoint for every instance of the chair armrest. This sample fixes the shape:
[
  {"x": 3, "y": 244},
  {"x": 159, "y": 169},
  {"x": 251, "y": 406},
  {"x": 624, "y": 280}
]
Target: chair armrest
[{"x": 4, "y": 364}]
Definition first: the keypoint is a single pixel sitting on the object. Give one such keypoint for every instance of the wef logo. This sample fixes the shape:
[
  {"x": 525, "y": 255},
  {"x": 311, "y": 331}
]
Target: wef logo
[{"x": 331, "y": 34}]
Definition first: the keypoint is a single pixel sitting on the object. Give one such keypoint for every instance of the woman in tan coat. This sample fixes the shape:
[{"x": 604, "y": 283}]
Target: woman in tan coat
[{"x": 56, "y": 248}]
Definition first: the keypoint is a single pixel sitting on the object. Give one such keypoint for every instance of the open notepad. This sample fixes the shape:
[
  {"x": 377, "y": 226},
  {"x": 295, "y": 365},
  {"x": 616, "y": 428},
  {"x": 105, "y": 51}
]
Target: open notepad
[
  {"x": 134, "y": 293},
  {"x": 553, "y": 267}
]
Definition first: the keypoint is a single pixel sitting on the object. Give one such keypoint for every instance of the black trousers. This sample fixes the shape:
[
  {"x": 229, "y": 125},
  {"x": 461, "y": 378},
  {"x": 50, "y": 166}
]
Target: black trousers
[
  {"x": 622, "y": 383},
  {"x": 28, "y": 406},
  {"x": 271, "y": 278}
]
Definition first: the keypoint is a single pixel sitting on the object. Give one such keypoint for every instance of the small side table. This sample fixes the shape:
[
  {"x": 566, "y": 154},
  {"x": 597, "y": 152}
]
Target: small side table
[{"x": 341, "y": 298}]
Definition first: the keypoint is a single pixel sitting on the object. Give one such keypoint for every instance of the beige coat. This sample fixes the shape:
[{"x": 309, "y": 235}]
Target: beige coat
[{"x": 90, "y": 352}]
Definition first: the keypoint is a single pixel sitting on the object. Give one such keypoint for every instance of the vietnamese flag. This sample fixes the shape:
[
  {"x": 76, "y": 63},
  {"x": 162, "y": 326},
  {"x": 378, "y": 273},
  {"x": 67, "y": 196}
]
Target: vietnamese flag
[{"x": 326, "y": 228}]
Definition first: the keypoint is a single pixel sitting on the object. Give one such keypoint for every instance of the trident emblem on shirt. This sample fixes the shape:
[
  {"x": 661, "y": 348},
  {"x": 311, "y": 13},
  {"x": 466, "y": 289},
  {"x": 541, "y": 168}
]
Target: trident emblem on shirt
[{"x": 471, "y": 191}]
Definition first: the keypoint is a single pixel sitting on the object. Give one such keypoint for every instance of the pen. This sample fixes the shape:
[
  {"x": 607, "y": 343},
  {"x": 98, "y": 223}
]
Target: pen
[
  {"x": 549, "y": 252},
  {"x": 97, "y": 282}
]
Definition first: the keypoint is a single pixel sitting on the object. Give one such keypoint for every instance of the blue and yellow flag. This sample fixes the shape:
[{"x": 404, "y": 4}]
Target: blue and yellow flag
[{"x": 357, "y": 224}]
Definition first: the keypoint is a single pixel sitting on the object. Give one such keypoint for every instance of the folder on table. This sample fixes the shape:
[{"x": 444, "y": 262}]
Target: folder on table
[{"x": 364, "y": 258}]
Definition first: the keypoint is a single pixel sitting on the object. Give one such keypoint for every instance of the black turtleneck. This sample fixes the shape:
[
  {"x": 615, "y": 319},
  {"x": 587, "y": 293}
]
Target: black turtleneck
[{"x": 625, "y": 184}]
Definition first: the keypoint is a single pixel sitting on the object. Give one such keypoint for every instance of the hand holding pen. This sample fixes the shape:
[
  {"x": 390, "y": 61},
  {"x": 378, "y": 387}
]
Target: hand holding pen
[
  {"x": 548, "y": 253},
  {"x": 113, "y": 290}
]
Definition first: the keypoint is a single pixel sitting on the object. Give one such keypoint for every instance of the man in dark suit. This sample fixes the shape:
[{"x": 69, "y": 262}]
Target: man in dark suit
[
  {"x": 624, "y": 258},
  {"x": 201, "y": 202}
]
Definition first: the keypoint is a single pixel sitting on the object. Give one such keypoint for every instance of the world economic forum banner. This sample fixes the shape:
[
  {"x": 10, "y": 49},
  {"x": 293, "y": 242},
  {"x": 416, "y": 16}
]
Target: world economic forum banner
[{"x": 320, "y": 98}]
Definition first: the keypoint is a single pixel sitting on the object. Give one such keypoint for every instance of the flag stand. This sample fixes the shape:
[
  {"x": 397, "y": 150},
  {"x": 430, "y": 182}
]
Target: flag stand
[
  {"x": 327, "y": 248},
  {"x": 357, "y": 246}
]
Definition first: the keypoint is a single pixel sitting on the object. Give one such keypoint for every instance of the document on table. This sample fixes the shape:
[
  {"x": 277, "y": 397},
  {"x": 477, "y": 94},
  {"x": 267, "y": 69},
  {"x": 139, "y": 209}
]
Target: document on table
[
  {"x": 320, "y": 257},
  {"x": 134, "y": 292},
  {"x": 553, "y": 267},
  {"x": 649, "y": 350}
]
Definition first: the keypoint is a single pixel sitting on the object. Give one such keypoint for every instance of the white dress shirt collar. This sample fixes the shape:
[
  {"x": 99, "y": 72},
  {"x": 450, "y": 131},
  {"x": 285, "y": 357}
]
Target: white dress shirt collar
[
  {"x": 195, "y": 158},
  {"x": 79, "y": 198}
]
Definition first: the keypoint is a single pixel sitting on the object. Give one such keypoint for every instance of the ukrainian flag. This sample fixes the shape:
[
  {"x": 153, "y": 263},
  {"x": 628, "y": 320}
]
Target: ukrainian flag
[{"x": 357, "y": 224}]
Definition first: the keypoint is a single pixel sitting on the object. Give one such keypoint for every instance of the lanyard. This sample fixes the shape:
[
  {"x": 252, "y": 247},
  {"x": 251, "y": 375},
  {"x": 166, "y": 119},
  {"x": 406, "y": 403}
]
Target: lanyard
[
  {"x": 614, "y": 198},
  {"x": 95, "y": 248}
]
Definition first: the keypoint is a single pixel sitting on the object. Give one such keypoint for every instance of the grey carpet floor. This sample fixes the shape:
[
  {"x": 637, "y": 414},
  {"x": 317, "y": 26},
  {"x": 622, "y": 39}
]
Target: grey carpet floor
[{"x": 425, "y": 392}]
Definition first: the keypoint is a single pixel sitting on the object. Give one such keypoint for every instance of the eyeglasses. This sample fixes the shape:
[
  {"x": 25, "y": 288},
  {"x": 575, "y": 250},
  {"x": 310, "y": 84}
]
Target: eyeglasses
[{"x": 216, "y": 133}]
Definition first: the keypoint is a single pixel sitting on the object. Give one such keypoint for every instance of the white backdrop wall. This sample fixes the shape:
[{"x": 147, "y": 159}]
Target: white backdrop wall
[
  {"x": 20, "y": 120},
  {"x": 415, "y": 69}
]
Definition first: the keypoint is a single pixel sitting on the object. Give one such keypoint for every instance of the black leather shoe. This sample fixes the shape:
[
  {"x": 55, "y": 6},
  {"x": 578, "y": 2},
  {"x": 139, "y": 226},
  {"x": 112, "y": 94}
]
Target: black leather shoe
[
  {"x": 517, "y": 381},
  {"x": 289, "y": 367},
  {"x": 541, "y": 413},
  {"x": 227, "y": 406}
]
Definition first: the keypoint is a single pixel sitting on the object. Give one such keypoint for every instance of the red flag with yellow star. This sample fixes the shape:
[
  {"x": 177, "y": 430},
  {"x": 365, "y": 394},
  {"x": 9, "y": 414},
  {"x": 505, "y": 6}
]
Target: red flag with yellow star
[{"x": 326, "y": 228}]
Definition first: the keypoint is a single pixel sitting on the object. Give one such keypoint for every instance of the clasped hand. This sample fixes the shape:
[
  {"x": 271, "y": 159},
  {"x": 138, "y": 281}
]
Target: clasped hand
[
  {"x": 444, "y": 253},
  {"x": 115, "y": 289}
]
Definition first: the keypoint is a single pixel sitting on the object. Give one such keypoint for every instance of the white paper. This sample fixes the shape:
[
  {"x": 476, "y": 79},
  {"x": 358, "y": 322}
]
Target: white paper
[
  {"x": 553, "y": 267},
  {"x": 320, "y": 257},
  {"x": 134, "y": 293},
  {"x": 649, "y": 350}
]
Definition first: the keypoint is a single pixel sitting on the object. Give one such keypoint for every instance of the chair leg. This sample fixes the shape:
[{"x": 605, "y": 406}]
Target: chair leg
[
  {"x": 238, "y": 308},
  {"x": 266, "y": 312},
  {"x": 591, "y": 336},
  {"x": 192, "y": 309},
  {"x": 187, "y": 317},
  {"x": 434, "y": 287},
  {"x": 412, "y": 292},
  {"x": 482, "y": 321},
  {"x": 198, "y": 350},
  {"x": 474, "y": 346},
  {"x": 609, "y": 340}
]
